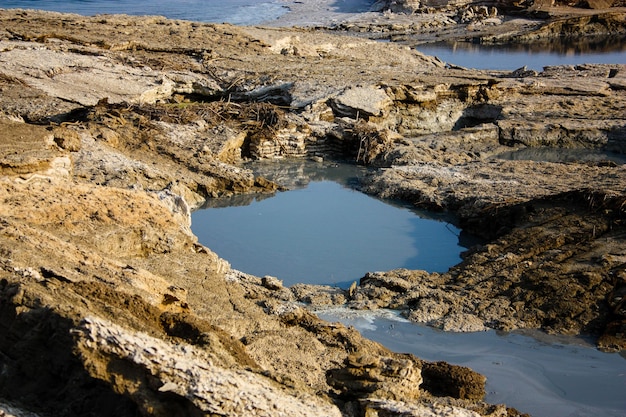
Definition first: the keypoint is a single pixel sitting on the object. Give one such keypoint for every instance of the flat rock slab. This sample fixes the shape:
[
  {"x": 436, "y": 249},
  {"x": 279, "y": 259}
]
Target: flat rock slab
[
  {"x": 361, "y": 102},
  {"x": 88, "y": 77}
]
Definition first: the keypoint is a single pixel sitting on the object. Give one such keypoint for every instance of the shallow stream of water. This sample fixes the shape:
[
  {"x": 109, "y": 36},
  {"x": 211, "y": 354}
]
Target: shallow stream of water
[{"x": 541, "y": 375}]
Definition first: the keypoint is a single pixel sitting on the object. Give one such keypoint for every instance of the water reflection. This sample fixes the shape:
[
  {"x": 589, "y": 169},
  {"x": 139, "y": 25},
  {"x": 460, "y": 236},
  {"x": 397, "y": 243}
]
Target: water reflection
[
  {"x": 323, "y": 231},
  {"x": 559, "y": 46},
  {"x": 299, "y": 173},
  {"x": 561, "y": 155},
  {"x": 293, "y": 175},
  {"x": 536, "y": 55}
]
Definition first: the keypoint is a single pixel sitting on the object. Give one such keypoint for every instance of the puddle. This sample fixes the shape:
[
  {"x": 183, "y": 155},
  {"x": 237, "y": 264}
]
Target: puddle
[
  {"x": 534, "y": 56},
  {"x": 563, "y": 155},
  {"x": 544, "y": 376},
  {"x": 323, "y": 231}
]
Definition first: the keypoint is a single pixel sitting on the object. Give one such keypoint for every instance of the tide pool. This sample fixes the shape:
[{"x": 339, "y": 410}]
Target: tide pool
[
  {"x": 535, "y": 57},
  {"x": 325, "y": 232}
]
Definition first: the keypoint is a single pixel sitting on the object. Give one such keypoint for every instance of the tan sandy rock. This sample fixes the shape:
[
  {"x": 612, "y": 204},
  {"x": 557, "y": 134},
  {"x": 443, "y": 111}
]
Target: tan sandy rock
[
  {"x": 189, "y": 373},
  {"x": 28, "y": 150},
  {"x": 140, "y": 119},
  {"x": 62, "y": 75}
]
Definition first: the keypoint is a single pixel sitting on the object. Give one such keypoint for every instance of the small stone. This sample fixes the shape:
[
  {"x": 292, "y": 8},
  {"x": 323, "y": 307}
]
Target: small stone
[
  {"x": 358, "y": 102},
  {"x": 271, "y": 283},
  {"x": 67, "y": 139},
  {"x": 352, "y": 289},
  {"x": 168, "y": 386}
]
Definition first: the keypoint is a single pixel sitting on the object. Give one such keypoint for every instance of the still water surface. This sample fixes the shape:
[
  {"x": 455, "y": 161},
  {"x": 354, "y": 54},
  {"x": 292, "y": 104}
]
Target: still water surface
[
  {"x": 238, "y": 12},
  {"x": 542, "y": 375},
  {"x": 535, "y": 56},
  {"x": 561, "y": 155},
  {"x": 323, "y": 231}
]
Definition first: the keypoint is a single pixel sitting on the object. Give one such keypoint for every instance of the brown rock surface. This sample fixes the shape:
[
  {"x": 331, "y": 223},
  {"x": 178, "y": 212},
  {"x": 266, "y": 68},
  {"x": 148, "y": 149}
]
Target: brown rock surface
[{"x": 113, "y": 127}]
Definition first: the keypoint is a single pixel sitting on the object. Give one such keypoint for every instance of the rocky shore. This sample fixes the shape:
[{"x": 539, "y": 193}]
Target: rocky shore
[{"x": 113, "y": 128}]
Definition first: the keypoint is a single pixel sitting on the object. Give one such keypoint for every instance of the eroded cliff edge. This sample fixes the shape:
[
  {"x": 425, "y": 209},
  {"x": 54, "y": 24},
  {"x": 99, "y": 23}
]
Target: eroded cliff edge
[{"x": 114, "y": 127}]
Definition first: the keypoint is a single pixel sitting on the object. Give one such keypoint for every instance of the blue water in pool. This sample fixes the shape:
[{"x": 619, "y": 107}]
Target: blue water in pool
[
  {"x": 324, "y": 232},
  {"x": 325, "y": 219},
  {"x": 512, "y": 57}
]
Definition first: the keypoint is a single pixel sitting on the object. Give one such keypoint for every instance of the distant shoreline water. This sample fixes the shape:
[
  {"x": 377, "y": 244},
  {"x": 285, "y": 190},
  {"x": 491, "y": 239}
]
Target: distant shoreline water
[
  {"x": 279, "y": 13},
  {"x": 237, "y": 12}
]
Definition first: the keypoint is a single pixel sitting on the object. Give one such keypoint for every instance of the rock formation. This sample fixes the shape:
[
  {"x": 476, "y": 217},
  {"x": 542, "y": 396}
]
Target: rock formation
[{"x": 114, "y": 127}]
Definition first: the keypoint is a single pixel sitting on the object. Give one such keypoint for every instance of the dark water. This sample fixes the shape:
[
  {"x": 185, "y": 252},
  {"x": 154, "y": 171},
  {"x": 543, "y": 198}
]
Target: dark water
[
  {"x": 542, "y": 375},
  {"x": 564, "y": 155},
  {"x": 535, "y": 56},
  {"x": 323, "y": 231}
]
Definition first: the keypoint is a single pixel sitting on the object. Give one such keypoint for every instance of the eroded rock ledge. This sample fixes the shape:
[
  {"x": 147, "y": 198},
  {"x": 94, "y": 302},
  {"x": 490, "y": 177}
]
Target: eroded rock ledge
[{"x": 113, "y": 128}]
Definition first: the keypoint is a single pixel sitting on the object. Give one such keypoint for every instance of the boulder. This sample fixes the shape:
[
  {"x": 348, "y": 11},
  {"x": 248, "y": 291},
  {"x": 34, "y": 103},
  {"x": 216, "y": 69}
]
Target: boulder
[
  {"x": 162, "y": 371},
  {"x": 361, "y": 102},
  {"x": 395, "y": 377}
]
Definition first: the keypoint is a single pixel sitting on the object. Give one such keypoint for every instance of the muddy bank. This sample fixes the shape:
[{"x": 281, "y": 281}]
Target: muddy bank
[{"x": 113, "y": 128}]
